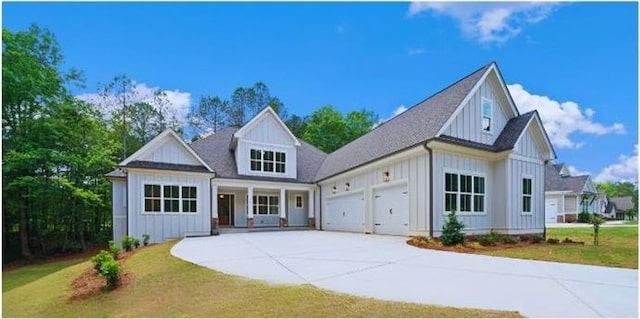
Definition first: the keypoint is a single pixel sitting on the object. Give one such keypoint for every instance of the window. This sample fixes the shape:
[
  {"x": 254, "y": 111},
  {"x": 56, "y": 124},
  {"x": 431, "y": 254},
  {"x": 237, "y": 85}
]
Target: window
[
  {"x": 171, "y": 198},
  {"x": 526, "y": 195},
  {"x": 265, "y": 205},
  {"x": 189, "y": 199},
  {"x": 256, "y": 160},
  {"x": 268, "y": 161},
  {"x": 487, "y": 114},
  {"x": 464, "y": 193},
  {"x": 151, "y": 198},
  {"x": 299, "y": 201}
]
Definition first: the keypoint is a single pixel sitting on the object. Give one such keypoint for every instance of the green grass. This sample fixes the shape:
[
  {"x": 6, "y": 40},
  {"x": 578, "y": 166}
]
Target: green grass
[
  {"x": 164, "y": 286},
  {"x": 25, "y": 275},
  {"x": 618, "y": 247},
  {"x": 631, "y": 222}
]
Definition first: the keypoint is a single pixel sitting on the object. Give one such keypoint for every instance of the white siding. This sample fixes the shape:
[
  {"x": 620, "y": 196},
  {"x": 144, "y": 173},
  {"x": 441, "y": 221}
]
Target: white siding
[
  {"x": 501, "y": 204},
  {"x": 164, "y": 226},
  {"x": 527, "y": 146},
  {"x": 169, "y": 151},
  {"x": 243, "y": 158},
  {"x": 119, "y": 206},
  {"x": 445, "y": 162},
  {"x": 560, "y": 200},
  {"x": 517, "y": 221},
  {"x": 268, "y": 130},
  {"x": 414, "y": 170},
  {"x": 468, "y": 122},
  {"x": 571, "y": 204}
]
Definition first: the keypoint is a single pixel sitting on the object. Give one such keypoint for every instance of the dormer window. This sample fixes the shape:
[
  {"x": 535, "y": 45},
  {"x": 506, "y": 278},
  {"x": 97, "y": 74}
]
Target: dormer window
[
  {"x": 487, "y": 114},
  {"x": 268, "y": 161}
]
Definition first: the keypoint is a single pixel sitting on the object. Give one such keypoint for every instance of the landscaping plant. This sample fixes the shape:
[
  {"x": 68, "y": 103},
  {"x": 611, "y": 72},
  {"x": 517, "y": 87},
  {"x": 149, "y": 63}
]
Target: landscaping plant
[
  {"x": 136, "y": 242},
  {"x": 111, "y": 271},
  {"x": 114, "y": 250},
  {"x": 452, "y": 231},
  {"x": 145, "y": 239},
  {"x": 99, "y": 259},
  {"x": 127, "y": 243},
  {"x": 596, "y": 221}
]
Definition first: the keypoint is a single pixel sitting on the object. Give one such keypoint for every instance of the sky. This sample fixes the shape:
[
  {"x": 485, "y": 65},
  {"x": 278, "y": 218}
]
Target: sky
[{"x": 576, "y": 63}]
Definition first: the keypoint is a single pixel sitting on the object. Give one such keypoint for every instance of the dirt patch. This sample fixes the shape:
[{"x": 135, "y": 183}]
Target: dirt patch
[{"x": 89, "y": 283}]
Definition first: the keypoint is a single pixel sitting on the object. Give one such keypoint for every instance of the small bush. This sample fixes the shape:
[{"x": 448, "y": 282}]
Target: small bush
[
  {"x": 111, "y": 272},
  {"x": 127, "y": 243},
  {"x": 536, "y": 239},
  {"x": 99, "y": 259},
  {"x": 114, "y": 250},
  {"x": 553, "y": 241},
  {"x": 487, "y": 240},
  {"x": 145, "y": 239},
  {"x": 136, "y": 242},
  {"x": 475, "y": 245},
  {"x": 452, "y": 231},
  {"x": 506, "y": 239},
  {"x": 584, "y": 218}
]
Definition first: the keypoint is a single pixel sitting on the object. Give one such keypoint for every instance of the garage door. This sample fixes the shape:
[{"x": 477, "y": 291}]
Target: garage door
[
  {"x": 551, "y": 211},
  {"x": 345, "y": 213},
  {"x": 391, "y": 210}
]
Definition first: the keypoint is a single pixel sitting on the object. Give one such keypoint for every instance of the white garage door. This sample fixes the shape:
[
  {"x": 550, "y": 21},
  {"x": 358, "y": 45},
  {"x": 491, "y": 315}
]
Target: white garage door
[
  {"x": 345, "y": 213},
  {"x": 551, "y": 211},
  {"x": 391, "y": 210}
]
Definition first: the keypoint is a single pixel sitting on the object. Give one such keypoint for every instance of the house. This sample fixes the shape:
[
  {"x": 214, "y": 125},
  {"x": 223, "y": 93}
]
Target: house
[
  {"x": 566, "y": 195},
  {"x": 618, "y": 207},
  {"x": 466, "y": 149}
]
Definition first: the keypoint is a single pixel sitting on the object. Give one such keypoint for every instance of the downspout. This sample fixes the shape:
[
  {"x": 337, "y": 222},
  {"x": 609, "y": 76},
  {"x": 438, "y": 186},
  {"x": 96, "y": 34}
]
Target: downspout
[
  {"x": 430, "y": 188},
  {"x": 320, "y": 206}
]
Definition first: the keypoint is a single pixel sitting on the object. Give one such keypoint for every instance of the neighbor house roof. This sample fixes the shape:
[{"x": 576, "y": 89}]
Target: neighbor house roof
[
  {"x": 214, "y": 150},
  {"x": 553, "y": 181},
  {"x": 622, "y": 203},
  {"x": 410, "y": 128}
]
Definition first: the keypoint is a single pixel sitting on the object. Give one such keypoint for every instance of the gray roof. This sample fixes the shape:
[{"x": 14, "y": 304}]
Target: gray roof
[
  {"x": 622, "y": 203},
  {"x": 214, "y": 150},
  {"x": 554, "y": 182},
  {"x": 410, "y": 128},
  {"x": 168, "y": 166},
  {"x": 116, "y": 173}
]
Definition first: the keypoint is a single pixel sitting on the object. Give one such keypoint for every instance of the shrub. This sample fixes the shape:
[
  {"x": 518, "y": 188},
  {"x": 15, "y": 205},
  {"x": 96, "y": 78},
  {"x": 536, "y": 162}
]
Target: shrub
[
  {"x": 111, "y": 272},
  {"x": 452, "y": 231},
  {"x": 596, "y": 221},
  {"x": 127, "y": 243},
  {"x": 506, "y": 239},
  {"x": 536, "y": 239},
  {"x": 114, "y": 250},
  {"x": 488, "y": 239},
  {"x": 584, "y": 217},
  {"x": 145, "y": 239},
  {"x": 136, "y": 242},
  {"x": 475, "y": 245},
  {"x": 553, "y": 241},
  {"x": 99, "y": 259}
]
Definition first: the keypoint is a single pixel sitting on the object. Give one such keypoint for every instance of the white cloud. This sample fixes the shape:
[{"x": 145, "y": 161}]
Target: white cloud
[
  {"x": 561, "y": 120},
  {"x": 418, "y": 51},
  {"x": 399, "y": 110},
  {"x": 488, "y": 22},
  {"x": 178, "y": 103},
  {"x": 576, "y": 172},
  {"x": 626, "y": 169}
]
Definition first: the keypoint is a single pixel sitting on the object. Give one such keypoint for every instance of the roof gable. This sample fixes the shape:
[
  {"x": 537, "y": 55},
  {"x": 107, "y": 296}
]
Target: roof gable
[
  {"x": 553, "y": 181},
  {"x": 167, "y": 147},
  {"x": 266, "y": 126},
  {"x": 540, "y": 137}
]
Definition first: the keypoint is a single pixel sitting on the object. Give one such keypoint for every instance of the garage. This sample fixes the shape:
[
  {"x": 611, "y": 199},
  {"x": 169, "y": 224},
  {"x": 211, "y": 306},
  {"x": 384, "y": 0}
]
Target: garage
[
  {"x": 551, "y": 211},
  {"x": 391, "y": 210},
  {"x": 345, "y": 213}
]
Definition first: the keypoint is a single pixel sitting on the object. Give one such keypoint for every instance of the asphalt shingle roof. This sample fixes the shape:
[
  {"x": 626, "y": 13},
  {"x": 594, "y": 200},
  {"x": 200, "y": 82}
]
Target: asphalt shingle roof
[
  {"x": 622, "y": 203},
  {"x": 168, "y": 166},
  {"x": 554, "y": 182},
  {"x": 214, "y": 150},
  {"x": 412, "y": 127}
]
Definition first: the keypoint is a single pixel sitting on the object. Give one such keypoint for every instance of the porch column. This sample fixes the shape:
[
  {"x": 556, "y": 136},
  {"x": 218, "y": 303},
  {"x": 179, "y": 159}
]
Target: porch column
[
  {"x": 312, "y": 220},
  {"x": 214, "y": 209},
  {"x": 250, "y": 207},
  {"x": 283, "y": 207}
]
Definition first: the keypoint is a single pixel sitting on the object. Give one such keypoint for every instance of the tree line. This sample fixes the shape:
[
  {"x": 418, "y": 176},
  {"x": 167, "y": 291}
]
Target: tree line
[{"x": 57, "y": 147}]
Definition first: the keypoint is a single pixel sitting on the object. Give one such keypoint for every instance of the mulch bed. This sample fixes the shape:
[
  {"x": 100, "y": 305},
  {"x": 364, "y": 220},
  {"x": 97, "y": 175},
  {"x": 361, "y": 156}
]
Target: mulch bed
[
  {"x": 472, "y": 247},
  {"x": 89, "y": 283}
]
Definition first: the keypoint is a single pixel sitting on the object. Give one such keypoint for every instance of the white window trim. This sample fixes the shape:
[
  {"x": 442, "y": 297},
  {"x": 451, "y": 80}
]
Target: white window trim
[
  {"x": 262, "y": 150},
  {"x": 162, "y": 212},
  {"x": 246, "y": 203},
  {"x": 468, "y": 173},
  {"x": 522, "y": 212},
  {"x": 491, "y": 118},
  {"x": 301, "y": 201}
]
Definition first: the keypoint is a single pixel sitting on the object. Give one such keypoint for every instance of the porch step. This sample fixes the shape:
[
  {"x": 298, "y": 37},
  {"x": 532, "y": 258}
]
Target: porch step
[{"x": 259, "y": 229}]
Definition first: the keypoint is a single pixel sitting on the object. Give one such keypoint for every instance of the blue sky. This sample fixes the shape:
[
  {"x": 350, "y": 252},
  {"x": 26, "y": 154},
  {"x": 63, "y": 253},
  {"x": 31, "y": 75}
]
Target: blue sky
[{"x": 577, "y": 63}]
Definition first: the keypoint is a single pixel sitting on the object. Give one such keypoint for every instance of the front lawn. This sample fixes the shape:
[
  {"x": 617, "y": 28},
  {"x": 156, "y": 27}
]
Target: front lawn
[
  {"x": 618, "y": 247},
  {"x": 164, "y": 286}
]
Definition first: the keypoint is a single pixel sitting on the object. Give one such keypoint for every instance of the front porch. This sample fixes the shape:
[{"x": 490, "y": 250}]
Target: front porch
[{"x": 273, "y": 206}]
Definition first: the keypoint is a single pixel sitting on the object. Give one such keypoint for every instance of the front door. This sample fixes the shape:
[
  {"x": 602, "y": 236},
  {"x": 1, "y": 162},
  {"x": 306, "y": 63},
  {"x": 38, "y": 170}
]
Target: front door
[
  {"x": 226, "y": 207},
  {"x": 551, "y": 211}
]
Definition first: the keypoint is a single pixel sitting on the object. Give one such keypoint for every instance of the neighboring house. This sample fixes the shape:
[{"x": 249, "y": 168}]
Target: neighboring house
[
  {"x": 566, "y": 196},
  {"x": 465, "y": 149},
  {"x": 618, "y": 207}
]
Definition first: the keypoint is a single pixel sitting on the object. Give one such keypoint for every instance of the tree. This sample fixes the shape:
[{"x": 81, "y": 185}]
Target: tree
[
  {"x": 297, "y": 125},
  {"x": 210, "y": 115},
  {"x": 328, "y": 130},
  {"x": 596, "y": 221},
  {"x": 359, "y": 123},
  {"x": 117, "y": 95},
  {"x": 452, "y": 231}
]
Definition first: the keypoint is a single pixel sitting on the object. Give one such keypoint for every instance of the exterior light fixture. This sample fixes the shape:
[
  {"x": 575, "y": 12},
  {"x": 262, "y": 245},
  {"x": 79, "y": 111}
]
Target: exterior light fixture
[{"x": 386, "y": 176}]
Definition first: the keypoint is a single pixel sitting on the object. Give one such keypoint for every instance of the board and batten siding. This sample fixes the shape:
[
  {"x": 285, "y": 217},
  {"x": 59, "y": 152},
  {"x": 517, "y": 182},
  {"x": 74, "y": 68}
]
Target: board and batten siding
[
  {"x": 268, "y": 130},
  {"x": 527, "y": 146},
  {"x": 163, "y": 226},
  {"x": 452, "y": 163},
  {"x": 169, "y": 152},
  {"x": 414, "y": 170},
  {"x": 571, "y": 204},
  {"x": 119, "y": 204},
  {"x": 501, "y": 205},
  {"x": 468, "y": 122},
  {"x": 243, "y": 158},
  {"x": 519, "y": 222}
]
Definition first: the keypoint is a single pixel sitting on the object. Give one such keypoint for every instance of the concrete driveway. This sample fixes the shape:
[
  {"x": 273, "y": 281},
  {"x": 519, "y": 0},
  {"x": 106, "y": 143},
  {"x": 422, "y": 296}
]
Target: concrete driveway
[{"x": 385, "y": 267}]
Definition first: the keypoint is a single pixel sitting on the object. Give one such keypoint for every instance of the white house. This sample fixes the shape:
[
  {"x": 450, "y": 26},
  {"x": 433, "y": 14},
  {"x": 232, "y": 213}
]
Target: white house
[
  {"x": 567, "y": 195},
  {"x": 466, "y": 148}
]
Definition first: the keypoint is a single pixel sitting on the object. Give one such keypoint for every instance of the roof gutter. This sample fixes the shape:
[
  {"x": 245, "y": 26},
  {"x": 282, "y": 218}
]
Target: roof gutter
[{"x": 426, "y": 147}]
